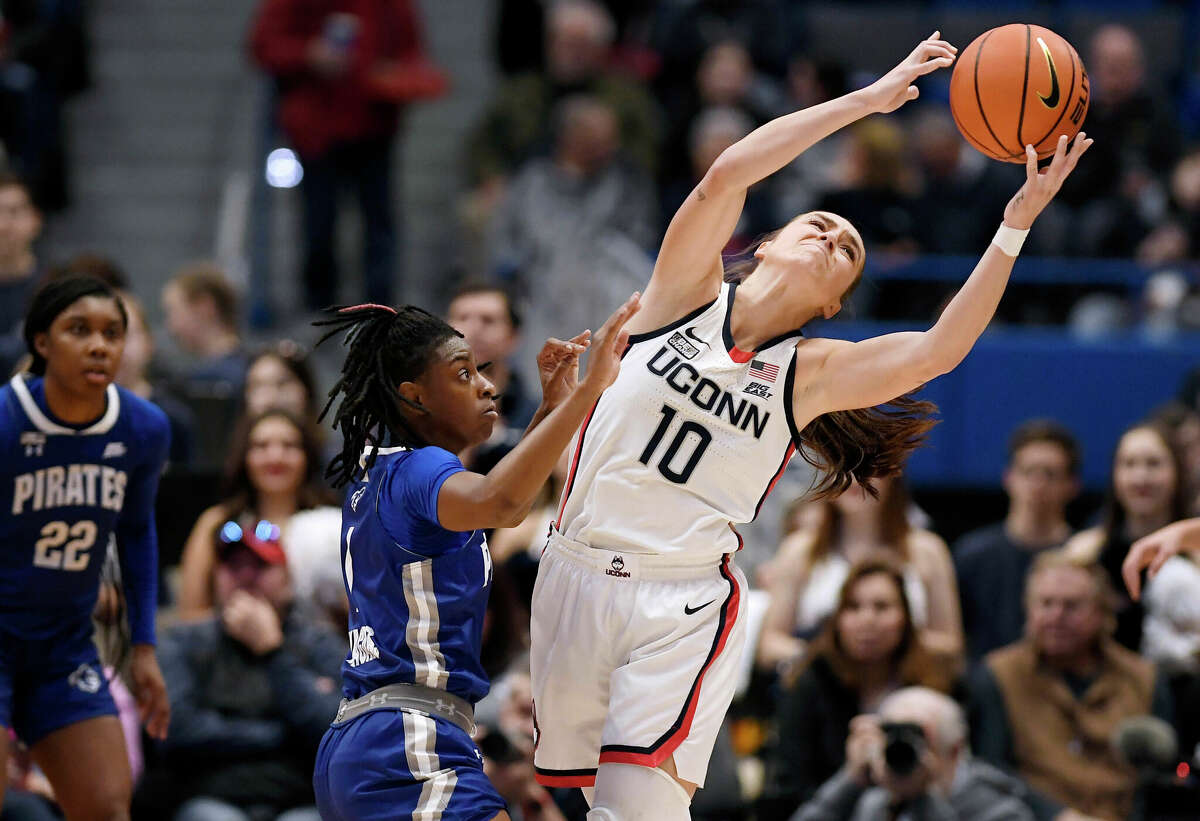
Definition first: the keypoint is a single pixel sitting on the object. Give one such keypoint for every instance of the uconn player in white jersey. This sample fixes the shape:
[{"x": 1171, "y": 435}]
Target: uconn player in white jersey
[
  {"x": 414, "y": 558},
  {"x": 636, "y": 630},
  {"x": 80, "y": 460}
]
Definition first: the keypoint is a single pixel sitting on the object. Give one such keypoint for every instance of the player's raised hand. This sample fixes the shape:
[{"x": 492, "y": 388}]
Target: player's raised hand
[
  {"x": 1041, "y": 186},
  {"x": 150, "y": 691},
  {"x": 609, "y": 346},
  {"x": 558, "y": 367},
  {"x": 896, "y": 88}
]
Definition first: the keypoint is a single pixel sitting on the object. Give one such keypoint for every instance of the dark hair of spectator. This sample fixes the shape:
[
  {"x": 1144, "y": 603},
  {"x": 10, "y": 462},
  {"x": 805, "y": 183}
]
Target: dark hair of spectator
[
  {"x": 11, "y": 179},
  {"x": 482, "y": 286},
  {"x": 1046, "y": 430},
  {"x": 289, "y": 354},
  {"x": 912, "y": 664},
  {"x": 893, "y": 514},
  {"x": 1114, "y": 513},
  {"x": 240, "y": 493},
  {"x": 94, "y": 265},
  {"x": 854, "y": 445},
  {"x": 202, "y": 280},
  {"x": 385, "y": 347},
  {"x": 55, "y": 297}
]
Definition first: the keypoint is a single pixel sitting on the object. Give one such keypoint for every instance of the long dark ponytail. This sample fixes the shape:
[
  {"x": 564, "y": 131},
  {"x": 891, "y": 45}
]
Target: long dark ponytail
[
  {"x": 386, "y": 347},
  {"x": 854, "y": 445}
]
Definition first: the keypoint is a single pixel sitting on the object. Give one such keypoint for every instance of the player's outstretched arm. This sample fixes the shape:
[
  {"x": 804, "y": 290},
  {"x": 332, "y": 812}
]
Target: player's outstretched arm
[
  {"x": 688, "y": 270},
  {"x": 471, "y": 501},
  {"x": 1151, "y": 552},
  {"x": 837, "y": 375}
]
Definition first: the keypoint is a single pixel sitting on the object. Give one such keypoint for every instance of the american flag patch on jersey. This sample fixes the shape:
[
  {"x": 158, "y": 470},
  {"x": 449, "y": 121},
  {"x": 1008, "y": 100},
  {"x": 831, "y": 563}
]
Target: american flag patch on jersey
[{"x": 763, "y": 370}]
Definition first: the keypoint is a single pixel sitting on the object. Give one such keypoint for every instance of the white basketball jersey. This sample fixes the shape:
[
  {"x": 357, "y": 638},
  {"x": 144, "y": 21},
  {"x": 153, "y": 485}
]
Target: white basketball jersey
[{"x": 685, "y": 443}]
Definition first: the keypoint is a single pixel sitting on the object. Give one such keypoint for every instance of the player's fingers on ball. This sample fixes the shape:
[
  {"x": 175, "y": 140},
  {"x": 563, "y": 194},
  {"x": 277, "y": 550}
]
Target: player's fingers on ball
[{"x": 1031, "y": 161}]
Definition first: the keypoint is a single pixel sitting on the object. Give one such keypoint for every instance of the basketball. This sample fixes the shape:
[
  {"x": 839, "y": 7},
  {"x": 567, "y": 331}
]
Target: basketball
[{"x": 1018, "y": 85}]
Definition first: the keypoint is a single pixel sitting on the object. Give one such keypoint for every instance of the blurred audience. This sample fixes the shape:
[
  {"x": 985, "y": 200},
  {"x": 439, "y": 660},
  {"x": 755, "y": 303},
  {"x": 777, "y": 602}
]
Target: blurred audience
[
  {"x": 1048, "y": 706},
  {"x": 20, "y": 270},
  {"x": 273, "y": 475},
  {"x": 279, "y": 376},
  {"x": 869, "y": 648},
  {"x": 253, "y": 688},
  {"x": 345, "y": 72},
  {"x": 201, "y": 309},
  {"x": 991, "y": 563},
  {"x": 1147, "y": 491},
  {"x": 813, "y": 564},
  {"x": 913, "y": 761}
]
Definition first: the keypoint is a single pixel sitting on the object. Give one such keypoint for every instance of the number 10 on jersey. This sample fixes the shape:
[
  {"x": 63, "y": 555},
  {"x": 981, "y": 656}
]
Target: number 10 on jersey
[{"x": 699, "y": 441}]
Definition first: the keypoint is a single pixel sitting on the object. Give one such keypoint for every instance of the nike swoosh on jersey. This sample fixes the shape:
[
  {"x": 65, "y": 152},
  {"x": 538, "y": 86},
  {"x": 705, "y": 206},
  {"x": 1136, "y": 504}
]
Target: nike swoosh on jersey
[
  {"x": 1052, "y": 100},
  {"x": 690, "y": 333},
  {"x": 690, "y": 610}
]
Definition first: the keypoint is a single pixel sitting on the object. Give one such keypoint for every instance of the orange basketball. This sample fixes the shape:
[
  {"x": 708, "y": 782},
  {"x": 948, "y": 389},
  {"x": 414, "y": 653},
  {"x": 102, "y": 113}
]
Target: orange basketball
[{"x": 1017, "y": 85}]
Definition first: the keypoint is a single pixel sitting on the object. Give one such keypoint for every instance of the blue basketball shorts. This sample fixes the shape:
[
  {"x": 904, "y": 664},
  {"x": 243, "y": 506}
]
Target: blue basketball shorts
[
  {"x": 390, "y": 764},
  {"x": 49, "y": 682}
]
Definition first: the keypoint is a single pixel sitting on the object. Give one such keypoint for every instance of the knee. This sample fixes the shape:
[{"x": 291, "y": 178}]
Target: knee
[{"x": 628, "y": 792}]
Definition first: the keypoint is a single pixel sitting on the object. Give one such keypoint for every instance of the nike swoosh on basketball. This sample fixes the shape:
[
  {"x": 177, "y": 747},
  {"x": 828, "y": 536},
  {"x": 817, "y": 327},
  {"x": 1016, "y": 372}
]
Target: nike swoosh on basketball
[
  {"x": 690, "y": 610},
  {"x": 1052, "y": 100},
  {"x": 690, "y": 333}
]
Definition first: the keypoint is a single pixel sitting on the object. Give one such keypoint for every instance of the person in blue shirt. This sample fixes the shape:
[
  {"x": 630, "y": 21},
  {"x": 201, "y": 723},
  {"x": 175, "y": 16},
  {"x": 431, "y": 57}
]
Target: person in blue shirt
[
  {"x": 80, "y": 460},
  {"x": 414, "y": 557}
]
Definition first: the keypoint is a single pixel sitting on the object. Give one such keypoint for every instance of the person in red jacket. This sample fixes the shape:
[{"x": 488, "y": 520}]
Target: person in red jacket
[{"x": 345, "y": 70}]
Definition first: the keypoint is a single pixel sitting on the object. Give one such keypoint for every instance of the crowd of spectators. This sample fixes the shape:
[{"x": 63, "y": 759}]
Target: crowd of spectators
[{"x": 892, "y": 675}]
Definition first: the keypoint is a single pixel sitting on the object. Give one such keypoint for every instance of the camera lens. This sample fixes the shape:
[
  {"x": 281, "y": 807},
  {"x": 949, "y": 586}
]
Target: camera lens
[{"x": 902, "y": 748}]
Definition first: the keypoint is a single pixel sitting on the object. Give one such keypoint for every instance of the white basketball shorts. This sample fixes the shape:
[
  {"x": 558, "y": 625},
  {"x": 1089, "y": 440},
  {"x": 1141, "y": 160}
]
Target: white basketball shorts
[{"x": 633, "y": 660}]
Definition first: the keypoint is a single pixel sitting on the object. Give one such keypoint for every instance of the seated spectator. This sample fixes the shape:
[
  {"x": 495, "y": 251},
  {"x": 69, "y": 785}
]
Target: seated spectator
[
  {"x": 485, "y": 315},
  {"x": 812, "y": 565},
  {"x": 201, "y": 310},
  {"x": 1047, "y": 707},
  {"x": 273, "y": 474},
  {"x": 1178, "y": 238},
  {"x": 913, "y": 761},
  {"x": 133, "y": 374},
  {"x": 1147, "y": 491},
  {"x": 20, "y": 271},
  {"x": 280, "y": 377},
  {"x": 565, "y": 218},
  {"x": 1041, "y": 478},
  {"x": 868, "y": 649},
  {"x": 253, "y": 689}
]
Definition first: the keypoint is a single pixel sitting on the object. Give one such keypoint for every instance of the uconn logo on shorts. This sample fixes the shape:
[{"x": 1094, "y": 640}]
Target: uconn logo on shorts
[{"x": 617, "y": 569}]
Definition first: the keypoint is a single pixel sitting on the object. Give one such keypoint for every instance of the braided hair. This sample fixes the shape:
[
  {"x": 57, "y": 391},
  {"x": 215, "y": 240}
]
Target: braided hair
[{"x": 386, "y": 347}]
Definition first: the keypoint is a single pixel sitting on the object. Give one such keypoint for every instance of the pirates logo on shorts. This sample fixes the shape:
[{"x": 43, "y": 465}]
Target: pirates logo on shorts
[
  {"x": 85, "y": 678},
  {"x": 617, "y": 569}
]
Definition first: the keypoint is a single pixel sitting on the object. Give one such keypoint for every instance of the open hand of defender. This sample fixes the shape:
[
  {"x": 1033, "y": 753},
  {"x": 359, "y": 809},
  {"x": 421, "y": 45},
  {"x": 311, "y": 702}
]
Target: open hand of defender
[
  {"x": 896, "y": 88},
  {"x": 611, "y": 340}
]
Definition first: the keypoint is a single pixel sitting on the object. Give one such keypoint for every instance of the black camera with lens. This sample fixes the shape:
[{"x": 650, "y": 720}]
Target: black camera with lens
[{"x": 903, "y": 746}]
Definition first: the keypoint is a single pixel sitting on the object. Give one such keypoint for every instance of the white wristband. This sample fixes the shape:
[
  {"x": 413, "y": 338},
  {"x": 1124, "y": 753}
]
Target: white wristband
[{"x": 1009, "y": 240}]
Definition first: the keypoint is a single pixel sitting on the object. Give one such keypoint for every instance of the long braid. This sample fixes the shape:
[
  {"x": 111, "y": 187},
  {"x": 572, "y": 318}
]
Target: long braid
[{"x": 386, "y": 347}]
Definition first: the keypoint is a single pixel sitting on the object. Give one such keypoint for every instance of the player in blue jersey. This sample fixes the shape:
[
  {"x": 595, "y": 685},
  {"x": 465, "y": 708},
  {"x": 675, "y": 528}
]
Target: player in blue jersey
[
  {"x": 79, "y": 460},
  {"x": 414, "y": 557}
]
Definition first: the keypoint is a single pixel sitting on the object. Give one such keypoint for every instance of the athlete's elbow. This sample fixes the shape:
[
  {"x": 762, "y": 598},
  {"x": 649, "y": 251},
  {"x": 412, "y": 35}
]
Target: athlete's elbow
[
  {"x": 933, "y": 357},
  {"x": 721, "y": 175}
]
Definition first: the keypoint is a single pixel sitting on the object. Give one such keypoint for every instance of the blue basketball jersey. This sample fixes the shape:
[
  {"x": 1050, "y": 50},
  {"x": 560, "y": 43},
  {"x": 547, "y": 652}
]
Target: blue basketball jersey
[
  {"x": 417, "y": 591},
  {"x": 68, "y": 489}
]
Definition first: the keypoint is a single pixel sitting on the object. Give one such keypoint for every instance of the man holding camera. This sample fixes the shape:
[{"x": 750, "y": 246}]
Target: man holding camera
[{"x": 912, "y": 762}]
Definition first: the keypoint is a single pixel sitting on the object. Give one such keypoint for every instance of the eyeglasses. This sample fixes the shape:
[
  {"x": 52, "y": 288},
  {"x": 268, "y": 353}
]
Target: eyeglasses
[{"x": 264, "y": 531}]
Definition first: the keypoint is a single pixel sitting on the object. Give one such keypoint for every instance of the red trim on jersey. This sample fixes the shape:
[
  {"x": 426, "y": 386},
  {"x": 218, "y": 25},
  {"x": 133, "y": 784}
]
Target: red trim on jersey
[
  {"x": 666, "y": 745},
  {"x": 787, "y": 457},
  {"x": 545, "y": 780},
  {"x": 574, "y": 465},
  {"x": 740, "y": 356}
]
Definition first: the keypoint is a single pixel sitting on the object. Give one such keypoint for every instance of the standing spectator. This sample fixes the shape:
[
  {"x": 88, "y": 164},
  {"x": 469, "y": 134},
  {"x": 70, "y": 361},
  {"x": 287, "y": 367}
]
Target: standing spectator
[
  {"x": 868, "y": 649},
  {"x": 1047, "y": 707},
  {"x": 519, "y": 123},
  {"x": 252, "y": 690},
  {"x": 1147, "y": 491},
  {"x": 813, "y": 564},
  {"x": 991, "y": 563},
  {"x": 201, "y": 310},
  {"x": 576, "y": 230},
  {"x": 345, "y": 71},
  {"x": 20, "y": 225},
  {"x": 946, "y": 783}
]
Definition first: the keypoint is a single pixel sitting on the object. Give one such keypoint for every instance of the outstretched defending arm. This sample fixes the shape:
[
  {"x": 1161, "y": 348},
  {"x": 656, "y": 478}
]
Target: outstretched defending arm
[
  {"x": 688, "y": 270},
  {"x": 835, "y": 375}
]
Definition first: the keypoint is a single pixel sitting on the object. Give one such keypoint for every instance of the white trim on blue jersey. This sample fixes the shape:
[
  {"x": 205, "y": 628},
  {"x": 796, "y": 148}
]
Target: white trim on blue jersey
[
  {"x": 424, "y": 622},
  {"x": 420, "y": 750},
  {"x": 43, "y": 423}
]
